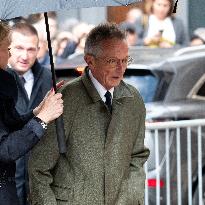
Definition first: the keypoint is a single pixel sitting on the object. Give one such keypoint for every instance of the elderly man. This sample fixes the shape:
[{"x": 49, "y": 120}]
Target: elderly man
[{"x": 104, "y": 124}]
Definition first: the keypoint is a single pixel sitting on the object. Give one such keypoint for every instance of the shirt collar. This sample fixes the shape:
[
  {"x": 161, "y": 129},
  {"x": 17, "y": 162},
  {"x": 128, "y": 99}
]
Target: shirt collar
[
  {"x": 28, "y": 75},
  {"x": 101, "y": 90}
]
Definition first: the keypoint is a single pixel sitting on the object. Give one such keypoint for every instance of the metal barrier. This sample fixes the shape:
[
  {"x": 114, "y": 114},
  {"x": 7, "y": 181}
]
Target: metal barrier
[{"x": 174, "y": 170}]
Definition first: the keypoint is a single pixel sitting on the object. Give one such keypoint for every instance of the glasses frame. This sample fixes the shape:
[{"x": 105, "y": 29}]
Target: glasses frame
[{"x": 113, "y": 61}]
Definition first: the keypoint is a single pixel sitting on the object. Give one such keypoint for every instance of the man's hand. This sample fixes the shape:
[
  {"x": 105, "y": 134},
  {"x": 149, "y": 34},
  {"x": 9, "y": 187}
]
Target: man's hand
[
  {"x": 51, "y": 107},
  {"x": 37, "y": 110}
]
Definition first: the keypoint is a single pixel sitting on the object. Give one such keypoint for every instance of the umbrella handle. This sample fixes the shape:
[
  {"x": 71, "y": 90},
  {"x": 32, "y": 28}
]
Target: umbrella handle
[{"x": 59, "y": 122}]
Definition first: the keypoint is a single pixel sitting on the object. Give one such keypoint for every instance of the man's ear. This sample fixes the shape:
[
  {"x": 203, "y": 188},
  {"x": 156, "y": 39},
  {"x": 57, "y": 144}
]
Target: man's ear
[{"x": 89, "y": 59}]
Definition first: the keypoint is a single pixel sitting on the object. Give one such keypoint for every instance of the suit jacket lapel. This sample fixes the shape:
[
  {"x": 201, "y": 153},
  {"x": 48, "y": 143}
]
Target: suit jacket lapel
[{"x": 121, "y": 95}]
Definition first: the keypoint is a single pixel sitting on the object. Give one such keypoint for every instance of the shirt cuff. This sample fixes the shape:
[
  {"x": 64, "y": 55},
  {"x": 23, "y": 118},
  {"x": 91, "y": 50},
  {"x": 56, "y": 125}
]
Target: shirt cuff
[{"x": 36, "y": 127}]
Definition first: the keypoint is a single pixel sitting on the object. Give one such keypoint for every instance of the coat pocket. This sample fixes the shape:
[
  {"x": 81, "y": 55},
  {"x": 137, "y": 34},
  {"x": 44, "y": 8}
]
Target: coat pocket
[{"x": 62, "y": 193}]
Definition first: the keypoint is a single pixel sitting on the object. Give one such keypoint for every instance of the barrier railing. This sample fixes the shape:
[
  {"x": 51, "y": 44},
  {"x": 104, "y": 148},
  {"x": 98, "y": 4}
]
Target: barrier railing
[{"x": 175, "y": 171}]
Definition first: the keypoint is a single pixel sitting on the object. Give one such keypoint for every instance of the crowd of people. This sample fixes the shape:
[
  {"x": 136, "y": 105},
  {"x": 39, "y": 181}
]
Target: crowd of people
[
  {"x": 105, "y": 155},
  {"x": 24, "y": 116},
  {"x": 157, "y": 26}
]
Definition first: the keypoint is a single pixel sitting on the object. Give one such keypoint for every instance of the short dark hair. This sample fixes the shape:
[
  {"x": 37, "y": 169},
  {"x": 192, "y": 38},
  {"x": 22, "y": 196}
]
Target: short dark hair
[
  {"x": 24, "y": 28},
  {"x": 103, "y": 31},
  {"x": 4, "y": 30}
]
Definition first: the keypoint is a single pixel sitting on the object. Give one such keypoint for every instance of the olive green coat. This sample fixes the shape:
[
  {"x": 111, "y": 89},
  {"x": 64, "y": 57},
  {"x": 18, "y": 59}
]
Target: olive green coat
[{"x": 105, "y": 153}]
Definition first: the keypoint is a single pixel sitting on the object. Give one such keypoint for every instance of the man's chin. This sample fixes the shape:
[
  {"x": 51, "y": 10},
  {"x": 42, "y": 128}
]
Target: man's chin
[{"x": 22, "y": 69}]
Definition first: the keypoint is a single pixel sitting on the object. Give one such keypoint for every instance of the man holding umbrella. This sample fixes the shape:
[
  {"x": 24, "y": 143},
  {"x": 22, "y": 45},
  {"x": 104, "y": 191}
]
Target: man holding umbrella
[
  {"x": 33, "y": 82},
  {"x": 104, "y": 126},
  {"x": 18, "y": 134}
]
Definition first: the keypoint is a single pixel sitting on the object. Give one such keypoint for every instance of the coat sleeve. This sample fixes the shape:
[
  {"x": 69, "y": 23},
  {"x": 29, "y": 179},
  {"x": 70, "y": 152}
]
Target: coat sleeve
[
  {"x": 42, "y": 160},
  {"x": 132, "y": 190},
  {"x": 16, "y": 144},
  {"x": 11, "y": 117}
]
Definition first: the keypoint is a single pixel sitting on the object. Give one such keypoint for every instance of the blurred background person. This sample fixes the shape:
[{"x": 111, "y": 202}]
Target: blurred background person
[
  {"x": 38, "y": 21},
  {"x": 43, "y": 54},
  {"x": 33, "y": 83},
  {"x": 66, "y": 44},
  {"x": 131, "y": 34},
  {"x": 18, "y": 134},
  {"x": 198, "y": 37},
  {"x": 132, "y": 16},
  {"x": 161, "y": 28},
  {"x": 73, "y": 45},
  {"x": 132, "y": 26},
  {"x": 81, "y": 31}
]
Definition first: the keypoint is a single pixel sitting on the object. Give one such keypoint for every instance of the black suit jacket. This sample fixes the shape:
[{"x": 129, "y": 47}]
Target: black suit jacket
[
  {"x": 18, "y": 134},
  {"x": 42, "y": 83}
]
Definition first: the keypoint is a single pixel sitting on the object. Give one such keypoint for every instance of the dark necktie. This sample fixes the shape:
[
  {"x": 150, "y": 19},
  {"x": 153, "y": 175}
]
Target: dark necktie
[
  {"x": 22, "y": 80},
  {"x": 108, "y": 101}
]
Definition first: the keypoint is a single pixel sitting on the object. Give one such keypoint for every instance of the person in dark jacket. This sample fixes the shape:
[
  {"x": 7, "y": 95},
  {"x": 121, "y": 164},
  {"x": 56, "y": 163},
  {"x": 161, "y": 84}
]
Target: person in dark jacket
[
  {"x": 33, "y": 82},
  {"x": 18, "y": 134}
]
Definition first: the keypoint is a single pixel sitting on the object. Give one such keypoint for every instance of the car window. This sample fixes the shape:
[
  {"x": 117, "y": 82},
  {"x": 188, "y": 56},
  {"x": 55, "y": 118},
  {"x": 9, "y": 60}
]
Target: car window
[
  {"x": 201, "y": 91},
  {"x": 198, "y": 91},
  {"x": 144, "y": 81}
]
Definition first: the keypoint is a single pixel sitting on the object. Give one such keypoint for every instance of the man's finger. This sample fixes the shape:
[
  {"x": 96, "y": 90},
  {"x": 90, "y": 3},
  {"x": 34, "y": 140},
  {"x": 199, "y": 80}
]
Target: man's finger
[{"x": 60, "y": 84}]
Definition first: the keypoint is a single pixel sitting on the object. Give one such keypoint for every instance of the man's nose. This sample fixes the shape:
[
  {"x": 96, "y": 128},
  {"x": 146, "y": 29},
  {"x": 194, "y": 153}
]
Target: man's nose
[
  {"x": 24, "y": 54},
  {"x": 120, "y": 64}
]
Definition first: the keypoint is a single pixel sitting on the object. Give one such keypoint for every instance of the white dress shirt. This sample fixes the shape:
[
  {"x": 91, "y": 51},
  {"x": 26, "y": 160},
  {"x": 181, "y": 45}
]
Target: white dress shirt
[{"x": 101, "y": 90}]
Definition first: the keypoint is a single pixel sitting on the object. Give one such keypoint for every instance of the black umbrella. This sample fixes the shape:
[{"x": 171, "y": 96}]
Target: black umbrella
[
  {"x": 35, "y": 6},
  {"x": 59, "y": 122}
]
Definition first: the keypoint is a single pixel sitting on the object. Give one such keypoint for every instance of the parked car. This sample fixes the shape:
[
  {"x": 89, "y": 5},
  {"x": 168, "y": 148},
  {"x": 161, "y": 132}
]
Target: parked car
[
  {"x": 173, "y": 89},
  {"x": 190, "y": 49}
]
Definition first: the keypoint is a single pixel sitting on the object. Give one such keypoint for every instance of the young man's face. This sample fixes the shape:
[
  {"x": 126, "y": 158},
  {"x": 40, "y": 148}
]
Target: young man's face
[
  {"x": 109, "y": 66},
  {"x": 24, "y": 50},
  {"x": 4, "y": 52}
]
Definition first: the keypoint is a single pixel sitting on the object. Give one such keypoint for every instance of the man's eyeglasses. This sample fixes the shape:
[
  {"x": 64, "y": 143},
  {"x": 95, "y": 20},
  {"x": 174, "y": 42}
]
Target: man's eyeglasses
[{"x": 113, "y": 62}]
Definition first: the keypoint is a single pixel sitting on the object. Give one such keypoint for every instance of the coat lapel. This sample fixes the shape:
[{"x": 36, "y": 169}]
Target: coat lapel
[{"x": 121, "y": 96}]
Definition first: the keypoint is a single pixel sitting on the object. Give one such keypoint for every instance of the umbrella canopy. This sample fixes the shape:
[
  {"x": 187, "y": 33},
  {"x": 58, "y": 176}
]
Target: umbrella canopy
[{"x": 15, "y": 8}]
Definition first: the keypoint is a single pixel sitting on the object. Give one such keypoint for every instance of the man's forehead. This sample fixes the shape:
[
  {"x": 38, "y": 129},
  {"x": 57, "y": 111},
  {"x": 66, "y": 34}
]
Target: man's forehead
[
  {"x": 23, "y": 35},
  {"x": 116, "y": 46},
  {"x": 21, "y": 38}
]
